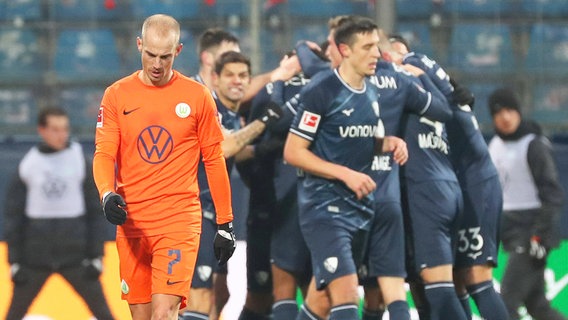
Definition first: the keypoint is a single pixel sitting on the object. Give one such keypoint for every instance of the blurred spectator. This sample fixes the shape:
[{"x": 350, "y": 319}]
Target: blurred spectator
[
  {"x": 532, "y": 202},
  {"x": 53, "y": 221}
]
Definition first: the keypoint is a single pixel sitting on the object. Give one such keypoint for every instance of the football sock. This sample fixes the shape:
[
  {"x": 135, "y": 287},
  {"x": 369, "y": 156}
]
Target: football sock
[
  {"x": 398, "y": 310},
  {"x": 488, "y": 301},
  {"x": 284, "y": 310},
  {"x": 344, "y": 312},
  {"x": 443, "y": 301}
]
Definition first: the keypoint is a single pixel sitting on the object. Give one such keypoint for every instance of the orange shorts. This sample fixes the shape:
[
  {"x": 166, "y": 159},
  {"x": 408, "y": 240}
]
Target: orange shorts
[{"x": 157, "y": 264}]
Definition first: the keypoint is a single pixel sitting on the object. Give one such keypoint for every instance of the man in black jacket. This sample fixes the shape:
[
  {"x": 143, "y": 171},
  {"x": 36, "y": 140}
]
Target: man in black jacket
[
  {"x": 53, "y": 220},
  {"x": 532, "y": 202}
]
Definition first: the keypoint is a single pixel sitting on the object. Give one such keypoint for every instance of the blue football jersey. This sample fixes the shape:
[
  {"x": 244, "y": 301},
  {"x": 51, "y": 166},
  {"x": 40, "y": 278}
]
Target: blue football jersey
[
  {"x": 229, "y": 121},
  {"x": 469, "y": 153}
]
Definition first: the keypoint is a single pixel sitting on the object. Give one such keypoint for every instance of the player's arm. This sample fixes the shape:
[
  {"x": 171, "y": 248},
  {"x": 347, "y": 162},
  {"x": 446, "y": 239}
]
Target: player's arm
[
  {"x": 289, "y": 66},
  {"x": 298, "y": 154},
  {"x": 236, "y": 141},
  {"x": 15, "y": 219},
  {"x": 107, "y": 141}
]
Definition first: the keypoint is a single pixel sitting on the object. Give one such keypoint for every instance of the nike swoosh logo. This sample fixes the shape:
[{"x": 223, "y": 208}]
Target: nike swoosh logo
[
  {"x": 124, "y": 112},
  {"x": 172, "y": 282}
]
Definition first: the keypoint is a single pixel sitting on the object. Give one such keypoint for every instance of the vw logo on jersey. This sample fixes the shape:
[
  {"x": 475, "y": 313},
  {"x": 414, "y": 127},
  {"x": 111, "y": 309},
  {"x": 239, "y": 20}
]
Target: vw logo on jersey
[
  {"x": 155, "y": 144},
  {"x": 183, "y": 110}
]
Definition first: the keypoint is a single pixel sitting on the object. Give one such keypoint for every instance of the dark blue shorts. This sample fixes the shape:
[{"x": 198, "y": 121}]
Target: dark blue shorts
[
  {"x": 206, "y": 263},
  {"x": 386, "y": 242},
  {"x": 478, "y": 236},
  {"x": 434, "y": 210},
  {"x": 288, "y": 249},
  {"x": 331, "y": 225}
]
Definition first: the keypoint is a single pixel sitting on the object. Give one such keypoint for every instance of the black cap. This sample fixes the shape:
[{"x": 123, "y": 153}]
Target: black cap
[{"x": 503, "y": 98}]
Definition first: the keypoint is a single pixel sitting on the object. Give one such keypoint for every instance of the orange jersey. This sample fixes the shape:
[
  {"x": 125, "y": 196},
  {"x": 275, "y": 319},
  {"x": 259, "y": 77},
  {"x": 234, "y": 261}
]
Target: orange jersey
[{"x": 155, "y": 136}]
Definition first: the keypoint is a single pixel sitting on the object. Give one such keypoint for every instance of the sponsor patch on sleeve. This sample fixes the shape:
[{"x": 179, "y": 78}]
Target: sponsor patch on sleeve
[
  {"x": 309, "y": 122},
  {"x": 100, "y": 118}
]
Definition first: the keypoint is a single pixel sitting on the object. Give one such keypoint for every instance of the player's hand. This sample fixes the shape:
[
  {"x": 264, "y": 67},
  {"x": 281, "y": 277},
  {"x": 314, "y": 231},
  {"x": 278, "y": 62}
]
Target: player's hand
[
  {"x": 398, "y": 148},
  {"x": 19, "y": 273},
  {"x": 536, "y": 249},
  {"x": 93, "y": 267},
  {"x": 289, "y": 66},
  {"x": 462, "y": 95},
  {"x": 360, "y": 183},
  {"x": 224, "y": 243},
  {"x": 113, "y": 208},
  {"x": 272, "y": 114}
]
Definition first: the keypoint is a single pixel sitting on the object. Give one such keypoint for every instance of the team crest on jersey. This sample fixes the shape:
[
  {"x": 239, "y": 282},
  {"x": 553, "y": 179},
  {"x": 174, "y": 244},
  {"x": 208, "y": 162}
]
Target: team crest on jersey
[
  {"x": 100, "y": 118},
  {"x": 330, "y": 264},
  {"x": 124, "y": 287},
  {"x": 309, "y": 122},
  {"x": 155, "y": 144},
  {"x": 204, "y": 272},
  {"x": 183, "y": 110}
]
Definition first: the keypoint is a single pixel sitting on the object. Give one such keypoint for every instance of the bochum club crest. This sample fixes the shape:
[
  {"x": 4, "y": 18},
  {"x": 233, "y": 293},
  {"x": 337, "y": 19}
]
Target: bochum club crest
[{"x": 155, "y": 144}]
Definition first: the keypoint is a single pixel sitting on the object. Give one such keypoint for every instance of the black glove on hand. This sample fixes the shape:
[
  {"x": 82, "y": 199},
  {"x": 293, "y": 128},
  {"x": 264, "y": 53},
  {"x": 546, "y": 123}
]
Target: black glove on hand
[
  {"x": 224, "y": 243},
  {"x": 461, "y": 95},
  {"x": 536, "y": 249},
  {"x": 93, "y": 268},
  {"x": 272, "y": 114},
  {"x": 19, "y": 273},
  {"x": 113, "y": 208}
]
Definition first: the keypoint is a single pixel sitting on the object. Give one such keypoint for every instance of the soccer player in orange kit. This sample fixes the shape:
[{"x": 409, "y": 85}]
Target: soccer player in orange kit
[{"x": 151, "y": 129}]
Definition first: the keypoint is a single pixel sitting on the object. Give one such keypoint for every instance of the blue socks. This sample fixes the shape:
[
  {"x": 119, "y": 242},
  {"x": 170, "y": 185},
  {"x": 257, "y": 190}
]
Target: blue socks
[
  {"x": 398, "y": 310},
  {"x": 191, "y": 315},
  {"x": 488, "y": 301},
  {"x": 306, "y": 314},
  {"x": 464, "y": 301},
  {"x": 344, "y": 312},
  {"x": 284, "y": 310},
  {"x": 443, "y": 301},
  {"x": 372, "y": 314}
]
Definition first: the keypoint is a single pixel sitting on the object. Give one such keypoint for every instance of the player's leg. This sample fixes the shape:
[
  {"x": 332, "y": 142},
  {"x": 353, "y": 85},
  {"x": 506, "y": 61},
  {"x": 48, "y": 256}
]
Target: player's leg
[
  {"x": 221, "y": 293},
  {"x": 201, "y": 291},
  {"x": 373, "y": 304},
  {"x": 316, "y": 305},
  {"x": 90, "y": 289},
  {"x": 478, "y": 245},
  {"x": 290, "y": 257},
  {"x": 26, "y": 288},
  {"x": 434, "y": 209}
]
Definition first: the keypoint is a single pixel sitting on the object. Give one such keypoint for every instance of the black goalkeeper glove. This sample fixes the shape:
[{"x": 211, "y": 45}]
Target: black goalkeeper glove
[
  {"x": 113, "y": 208},
  {"x": 224, "y": 243},
  {"x": 462, "y": 95},
  {"x": 272, "y": 114}
]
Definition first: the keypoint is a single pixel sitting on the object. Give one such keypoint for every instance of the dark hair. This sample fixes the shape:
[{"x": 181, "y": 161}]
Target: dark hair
[
  {"x": 346, "y": 31},
  {"x": 44, "y": 113},
  {"x": 393, "y": 37},
  {"x": 231, "y": 57},
  {"x": 213, "y": 37},
  {"x": 503, "y": 98}
]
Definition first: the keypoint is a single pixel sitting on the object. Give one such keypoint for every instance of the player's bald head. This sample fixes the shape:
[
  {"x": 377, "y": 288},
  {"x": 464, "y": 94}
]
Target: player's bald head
[{"x": 162, "y": 26}]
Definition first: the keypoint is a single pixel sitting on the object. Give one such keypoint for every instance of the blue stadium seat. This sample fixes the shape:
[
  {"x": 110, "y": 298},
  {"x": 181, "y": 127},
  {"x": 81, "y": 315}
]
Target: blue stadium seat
[
  {"x": 179, "y": 9},
  {"x": 478, "y": 7},
  {"x": 326, "y": 8},
  {"x": 18, "y": 108},
  {"x": 548, "y": 49},
  {"x": 25, "y": 9},
  {"x": 413, "y": 9},
  {"x": 82, "y": 104},
  {"x": 550, "y": 103},
  {"x": 20, "y": 58},
  {"x": 187, "y": 62},
  {"x": 84, "y": 55},
  {"x": 545, "y": 8},
  {"x": 80, "y": 10},
  {"x": 316, "y": 32},
  {"x": 418, "y": 37},
  {"x": 481, "y": 48}
]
